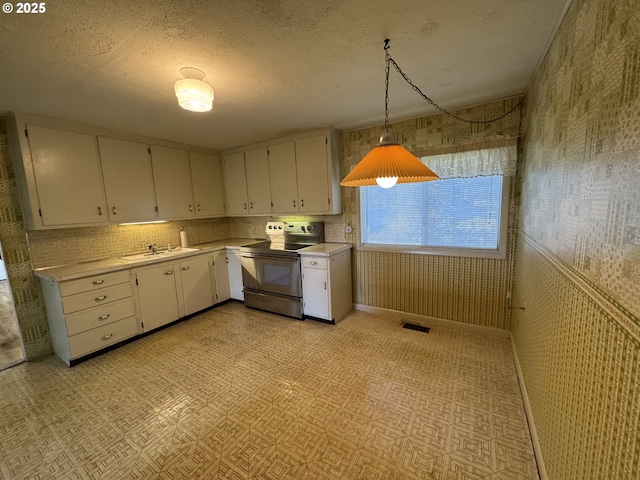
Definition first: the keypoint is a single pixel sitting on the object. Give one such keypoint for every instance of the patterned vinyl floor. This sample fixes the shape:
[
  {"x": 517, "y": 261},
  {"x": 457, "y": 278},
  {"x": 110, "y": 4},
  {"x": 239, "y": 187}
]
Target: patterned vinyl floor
[{"x": 236, "y": 393}]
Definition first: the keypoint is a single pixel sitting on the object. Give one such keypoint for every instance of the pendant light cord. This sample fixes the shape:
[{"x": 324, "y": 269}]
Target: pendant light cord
[
  {"x": 387, "y": 59},
  {"x": 390, "y": 60}
]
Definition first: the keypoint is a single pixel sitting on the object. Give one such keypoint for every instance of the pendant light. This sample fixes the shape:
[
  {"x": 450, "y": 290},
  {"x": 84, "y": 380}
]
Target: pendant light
[
  {"x": 388, "y": 162},
  {"x": 193, "y": 94}
]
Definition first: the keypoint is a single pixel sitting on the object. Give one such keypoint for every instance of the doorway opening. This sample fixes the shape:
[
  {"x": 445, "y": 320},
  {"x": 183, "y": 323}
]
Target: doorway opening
[{"x": 11, "y": 346}]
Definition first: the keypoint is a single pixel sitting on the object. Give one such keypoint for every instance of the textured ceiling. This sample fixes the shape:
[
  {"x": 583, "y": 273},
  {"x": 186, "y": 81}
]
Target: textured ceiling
[{"x": 277, "y": 67}]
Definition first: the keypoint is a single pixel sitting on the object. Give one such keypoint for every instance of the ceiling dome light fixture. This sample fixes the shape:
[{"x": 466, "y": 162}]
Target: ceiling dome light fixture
[
  {"x": 388, "y": 162},
  {"x": 193, "y": 94}
]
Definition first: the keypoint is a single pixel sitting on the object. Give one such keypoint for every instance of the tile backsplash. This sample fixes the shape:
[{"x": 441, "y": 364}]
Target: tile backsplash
[{"x": 72, "y": 245}]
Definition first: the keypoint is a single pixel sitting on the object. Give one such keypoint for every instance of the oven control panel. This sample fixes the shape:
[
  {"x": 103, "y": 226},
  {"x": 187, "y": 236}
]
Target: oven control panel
[{"x": 301, "y": 232}]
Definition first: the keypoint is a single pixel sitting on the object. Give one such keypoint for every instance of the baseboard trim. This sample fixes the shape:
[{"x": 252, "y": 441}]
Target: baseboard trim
[
  {"x": 433, "y": 321},
  {"x": 537, "y": 450}
]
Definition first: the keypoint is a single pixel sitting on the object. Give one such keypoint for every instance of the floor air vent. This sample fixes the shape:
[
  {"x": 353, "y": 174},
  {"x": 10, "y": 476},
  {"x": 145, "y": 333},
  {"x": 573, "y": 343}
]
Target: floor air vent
[{"x": 415, "y": 326}]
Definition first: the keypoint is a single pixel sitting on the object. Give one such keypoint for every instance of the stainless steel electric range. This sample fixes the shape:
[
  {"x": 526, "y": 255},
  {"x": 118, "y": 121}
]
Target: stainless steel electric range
[{"x": 271, "y": 273}]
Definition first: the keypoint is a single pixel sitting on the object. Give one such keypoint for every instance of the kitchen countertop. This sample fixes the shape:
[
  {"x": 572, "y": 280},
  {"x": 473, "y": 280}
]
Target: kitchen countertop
[
  {"x": 325, "y": 249},
  {"x": 73, "y": 271}
]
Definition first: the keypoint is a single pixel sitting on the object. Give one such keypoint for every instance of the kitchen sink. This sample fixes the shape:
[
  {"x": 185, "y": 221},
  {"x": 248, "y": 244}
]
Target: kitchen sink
[{"x": 159, "y": 254}]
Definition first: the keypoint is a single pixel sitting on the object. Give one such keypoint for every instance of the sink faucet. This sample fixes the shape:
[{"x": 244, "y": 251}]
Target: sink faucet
[{"x": 152, "y": 248}]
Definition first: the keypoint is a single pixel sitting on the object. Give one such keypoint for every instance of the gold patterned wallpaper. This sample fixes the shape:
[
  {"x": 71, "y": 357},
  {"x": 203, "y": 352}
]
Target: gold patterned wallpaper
[
  {"x": 578, "y": 255},
  {"x": 468, "y": 290}
]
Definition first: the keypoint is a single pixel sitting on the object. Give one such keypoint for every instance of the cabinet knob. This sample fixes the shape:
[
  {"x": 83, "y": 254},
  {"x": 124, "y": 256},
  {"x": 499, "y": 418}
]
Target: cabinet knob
[
  {"x": 104, "y": 317},
  {"x": 169, "y": 272},
  {"x": 100, "y": 298},
  {"x": 98, "y": 282},
  {"x": 107, "y": 337},
  {"x": 185, "y": 268}
]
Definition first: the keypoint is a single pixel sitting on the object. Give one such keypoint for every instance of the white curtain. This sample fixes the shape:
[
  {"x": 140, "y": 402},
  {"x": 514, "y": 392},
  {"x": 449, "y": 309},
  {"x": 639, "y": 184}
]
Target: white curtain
[{"x": 476, "y": 163}]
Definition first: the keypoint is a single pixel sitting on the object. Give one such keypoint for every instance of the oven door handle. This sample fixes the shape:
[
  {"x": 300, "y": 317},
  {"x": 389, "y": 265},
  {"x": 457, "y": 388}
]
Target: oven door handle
[{"x": 267, "y": 255}]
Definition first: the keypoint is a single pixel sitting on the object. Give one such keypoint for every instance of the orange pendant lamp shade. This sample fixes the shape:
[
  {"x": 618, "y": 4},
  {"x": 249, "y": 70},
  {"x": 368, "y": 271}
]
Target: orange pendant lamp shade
[{"x": 384, "y": 163}]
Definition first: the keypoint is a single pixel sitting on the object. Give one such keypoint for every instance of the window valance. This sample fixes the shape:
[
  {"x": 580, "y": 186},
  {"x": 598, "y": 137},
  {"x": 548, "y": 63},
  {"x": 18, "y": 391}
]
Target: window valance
[{"x": 475, "y": 163}]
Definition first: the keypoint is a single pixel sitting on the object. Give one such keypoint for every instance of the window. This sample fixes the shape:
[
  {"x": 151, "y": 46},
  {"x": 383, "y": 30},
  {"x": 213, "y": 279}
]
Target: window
[{"x": 456, "y": 215}]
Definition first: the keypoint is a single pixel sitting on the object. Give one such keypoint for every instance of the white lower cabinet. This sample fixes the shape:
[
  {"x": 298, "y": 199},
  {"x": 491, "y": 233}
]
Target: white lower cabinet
[
  {"x": 326, "y": 286},
  {"x": 235, "y": 273},
  {"x": 219, "y": 273},
  {"x": 171, "y": 290},
  {"x": 197, "y": 288},
  {"x": 89, "y": 314},
  {"x": 157, "y": 295}
]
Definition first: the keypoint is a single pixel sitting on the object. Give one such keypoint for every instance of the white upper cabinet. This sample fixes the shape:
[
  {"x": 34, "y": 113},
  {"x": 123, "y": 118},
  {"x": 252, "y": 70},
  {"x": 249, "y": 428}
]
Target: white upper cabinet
[
  {"x": 256, "y": 163},
  {"x": 172, "y": 177},
  {"x": 302, "y": 175},
  {"x": 208, "y": 192},
  {"x": 67, "y": 176},
  {"x": 128, "y": 180},
  {"x": 235, "y": 181},
  {"x": 283, "y": 179},
  {"x": 313, "y": 174}
]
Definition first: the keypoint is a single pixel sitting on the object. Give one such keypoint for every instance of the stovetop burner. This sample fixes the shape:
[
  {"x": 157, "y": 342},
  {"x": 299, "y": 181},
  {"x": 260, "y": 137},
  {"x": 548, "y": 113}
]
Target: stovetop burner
[{"x": 288, "y": 237}]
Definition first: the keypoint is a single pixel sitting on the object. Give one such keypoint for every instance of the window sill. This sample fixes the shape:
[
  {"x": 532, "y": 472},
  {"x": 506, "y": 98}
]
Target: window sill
[{"x": 441, "y": 251}]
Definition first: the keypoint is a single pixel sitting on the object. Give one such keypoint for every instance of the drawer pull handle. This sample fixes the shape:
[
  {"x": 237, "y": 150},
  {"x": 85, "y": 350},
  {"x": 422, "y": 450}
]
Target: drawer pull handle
[
  {"x": 104, "y": 317},
  {"x": 325, "y": 285},
  {"x": 113, "y": 209},
  {"x": 107, "y": 337},
  {"x": 100, "y": 298},
  {"x": 185, "y": 268},
  {"x": 191, "y": 208},
  {"x": 313, "y": 262},
  {"x": 170, "y": 272},
  {"x": 98, "y": 282}
]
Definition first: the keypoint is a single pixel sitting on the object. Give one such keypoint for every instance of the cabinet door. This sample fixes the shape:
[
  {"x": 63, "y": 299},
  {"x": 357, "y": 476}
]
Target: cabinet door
[
  {"x": 283, "y": 178},
  {"x": 206, "y": 176},
  {"x": 235, "y": 274},
  {"x": 196, "y": 284},
  {"x": 235, "y": 182},
  {"x": 66, "y": 166},
  {"x": 220, "y": 272},
  {"x": 158, "y": 296},
  {"x": 315, "y": 295},
  {"x": 172, "y": 177},
  {"x": 257, "y": 165},
  {"x": 312, "y": 171},
  {"x": 128, "y": 180}
]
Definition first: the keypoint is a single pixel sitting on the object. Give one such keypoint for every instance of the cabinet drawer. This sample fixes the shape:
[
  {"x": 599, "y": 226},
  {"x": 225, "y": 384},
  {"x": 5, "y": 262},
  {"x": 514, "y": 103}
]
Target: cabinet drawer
[
  {"x": 93, "y": 283},
  {"x": 92, "y": 299},
  {"x": 315, "y": 262},
  {"x": 101, "y": 337},
  {"x": 99, "y": 316}
]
